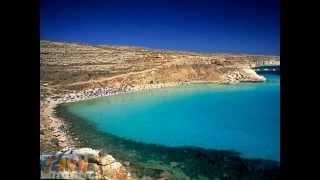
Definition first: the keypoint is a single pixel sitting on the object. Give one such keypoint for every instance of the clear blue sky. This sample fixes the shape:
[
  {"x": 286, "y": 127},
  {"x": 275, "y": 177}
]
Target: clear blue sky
[{"x": 239, "y": 26}]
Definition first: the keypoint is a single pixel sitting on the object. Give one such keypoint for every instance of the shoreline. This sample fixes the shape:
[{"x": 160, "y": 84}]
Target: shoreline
[
  {"x": 234, "y": 77},
  {"x": 125, "y": 152},
  {"x": 65, "y": 140},
  {"x": 58, "y": 125}
]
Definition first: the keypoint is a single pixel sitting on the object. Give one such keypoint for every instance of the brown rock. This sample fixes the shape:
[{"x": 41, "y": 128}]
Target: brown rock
[
  {"x": 105, "y": 160},
  {"x": 107, "y": 171},
  {"x": 114, "y": 171}
]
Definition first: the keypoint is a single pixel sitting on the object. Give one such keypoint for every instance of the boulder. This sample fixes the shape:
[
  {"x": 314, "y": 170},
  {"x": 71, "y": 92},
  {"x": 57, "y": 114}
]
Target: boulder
[
  {"x": 105, "y": 160},
  {"x": 107, "y": 171},
  {"x": 86, "y": 152}
]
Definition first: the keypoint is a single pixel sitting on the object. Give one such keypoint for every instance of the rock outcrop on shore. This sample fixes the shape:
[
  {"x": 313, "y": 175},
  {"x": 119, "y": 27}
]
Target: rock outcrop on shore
[{"x": 243, "y": 75}]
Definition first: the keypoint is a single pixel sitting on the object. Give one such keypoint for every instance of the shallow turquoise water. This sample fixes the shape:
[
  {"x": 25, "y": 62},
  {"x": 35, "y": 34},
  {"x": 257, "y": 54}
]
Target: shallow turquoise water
[{"x": 244, "y": 118}]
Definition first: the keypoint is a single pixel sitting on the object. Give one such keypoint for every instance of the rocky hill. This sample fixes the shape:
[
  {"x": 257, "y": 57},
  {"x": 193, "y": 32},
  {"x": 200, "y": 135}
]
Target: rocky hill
[{"x": 66, "y": 67}]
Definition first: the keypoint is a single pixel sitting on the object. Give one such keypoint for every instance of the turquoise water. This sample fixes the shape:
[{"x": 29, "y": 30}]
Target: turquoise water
[{"x": 244, "y": 118}]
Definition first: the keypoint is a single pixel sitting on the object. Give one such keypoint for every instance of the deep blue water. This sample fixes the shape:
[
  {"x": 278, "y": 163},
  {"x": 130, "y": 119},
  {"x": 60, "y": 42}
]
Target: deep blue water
[{"x": 244, "y": 118}]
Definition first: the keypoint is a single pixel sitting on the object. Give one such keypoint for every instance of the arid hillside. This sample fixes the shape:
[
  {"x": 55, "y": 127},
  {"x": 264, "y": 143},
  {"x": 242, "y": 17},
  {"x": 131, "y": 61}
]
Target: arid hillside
[{"x": 66, "y": 67}]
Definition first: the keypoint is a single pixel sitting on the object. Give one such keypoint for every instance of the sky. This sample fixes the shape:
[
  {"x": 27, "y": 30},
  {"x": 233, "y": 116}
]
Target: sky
[{"x": 223, "y": 26}]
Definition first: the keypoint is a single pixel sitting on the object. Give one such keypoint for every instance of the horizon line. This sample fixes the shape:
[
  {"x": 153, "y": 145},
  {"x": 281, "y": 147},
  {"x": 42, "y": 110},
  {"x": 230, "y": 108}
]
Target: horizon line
[{"x": 156, "y": 49}]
